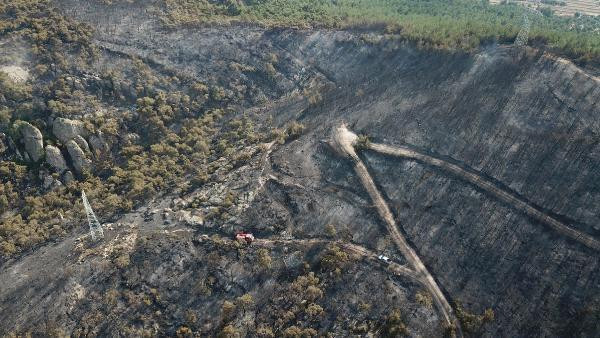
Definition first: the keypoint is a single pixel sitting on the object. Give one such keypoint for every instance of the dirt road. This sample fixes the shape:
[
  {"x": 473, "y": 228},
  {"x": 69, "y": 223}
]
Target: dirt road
[
  {"x": 487, "y": 185},
  {"x": 344, "y": 142}
]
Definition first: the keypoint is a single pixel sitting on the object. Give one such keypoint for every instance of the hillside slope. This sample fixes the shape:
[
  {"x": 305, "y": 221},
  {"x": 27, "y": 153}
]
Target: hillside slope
[{"x": 525, "y": 120}]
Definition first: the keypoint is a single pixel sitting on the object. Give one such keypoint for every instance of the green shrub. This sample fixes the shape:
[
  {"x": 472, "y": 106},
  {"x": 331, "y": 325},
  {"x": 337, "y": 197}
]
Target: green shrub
[
  {"x": 394, "y": 326},
  {"x": 424, "y": 298},
  {"x": 264, "y": 259},
  {"x": 229, "y": 331},
  {"x": 265, "y": 331},
  {"x": 473, "y": 323},
  {"x": 228, "y": 309},
  {"x": 294, "y": 129},
  {"x": 334, "y": 258},
  {"x": 245, "y": 301},
  {"x": 362, "y": 142}
]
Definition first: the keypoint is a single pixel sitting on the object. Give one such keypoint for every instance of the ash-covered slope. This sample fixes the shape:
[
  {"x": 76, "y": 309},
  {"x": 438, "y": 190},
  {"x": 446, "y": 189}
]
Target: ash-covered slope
[{"x": 527, "y": 121}]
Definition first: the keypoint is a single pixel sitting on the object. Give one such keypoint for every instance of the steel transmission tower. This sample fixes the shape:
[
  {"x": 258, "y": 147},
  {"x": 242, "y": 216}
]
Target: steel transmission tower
[
  {"x": 95, "y": 226},
  {"x": 523, "y": 35}
]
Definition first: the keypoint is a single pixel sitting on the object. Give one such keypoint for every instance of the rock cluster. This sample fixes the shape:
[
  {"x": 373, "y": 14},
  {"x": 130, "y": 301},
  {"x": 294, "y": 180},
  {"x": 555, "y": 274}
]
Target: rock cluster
[
  {"x": 70, "y": 133},
  {"x": 66, "y": 130}
]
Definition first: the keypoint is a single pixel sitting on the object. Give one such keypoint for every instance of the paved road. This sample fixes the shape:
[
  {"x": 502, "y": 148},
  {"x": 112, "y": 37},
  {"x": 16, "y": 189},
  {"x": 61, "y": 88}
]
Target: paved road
[
  {"x": 487, "y": 185},
  {"x": 344, "y": 140}
]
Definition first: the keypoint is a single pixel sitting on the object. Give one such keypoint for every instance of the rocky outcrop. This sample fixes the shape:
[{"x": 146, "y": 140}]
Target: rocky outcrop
[
  {"x": 189, "y": 217},
  {"x": 16, "y": 73},
  {"x": 66, "y": 130},
  {"x": 55, "y": 159},
  {"x": 80, "y": 161},
  {"x": 68, "y": 177},
  {"x": 50, "y": 182},
  {"x": 98, "y": 143},
  {"x": 33, "y": 140}
]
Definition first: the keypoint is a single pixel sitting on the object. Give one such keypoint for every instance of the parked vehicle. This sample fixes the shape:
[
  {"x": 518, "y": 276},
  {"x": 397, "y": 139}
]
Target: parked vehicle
[
  {"x": 244, "y": 236},
  {"x": 384, "y": 259}
]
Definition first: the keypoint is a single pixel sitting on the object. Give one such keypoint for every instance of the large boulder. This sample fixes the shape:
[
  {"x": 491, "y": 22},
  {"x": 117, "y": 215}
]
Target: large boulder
[
  {"x": 82, "y": 143},
  {"x": 80, "y": 162},
  {"x": 66, "y": 130},
  {"x": 68, "y": 177},
  {"x": 55, "y": 159},
  {"x": 34, "y": 142}
]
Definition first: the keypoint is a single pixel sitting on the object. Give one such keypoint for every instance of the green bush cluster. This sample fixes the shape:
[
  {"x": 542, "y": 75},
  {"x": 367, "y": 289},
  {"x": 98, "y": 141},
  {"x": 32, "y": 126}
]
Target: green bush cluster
[
  {"x": 394, "y": 326},
  {"x": 334, "y": 259},
  {"x": 52, "y": 35},
  {"x": 473, "y": 323},
  {"x": 181, "y": 123}
]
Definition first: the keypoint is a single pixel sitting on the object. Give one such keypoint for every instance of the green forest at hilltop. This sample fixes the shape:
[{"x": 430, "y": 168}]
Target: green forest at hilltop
[{"x": 464, "y": 24}]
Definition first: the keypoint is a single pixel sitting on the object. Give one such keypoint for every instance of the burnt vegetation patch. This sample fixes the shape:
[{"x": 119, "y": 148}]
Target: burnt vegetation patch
[{"x": 186, "y": 122}]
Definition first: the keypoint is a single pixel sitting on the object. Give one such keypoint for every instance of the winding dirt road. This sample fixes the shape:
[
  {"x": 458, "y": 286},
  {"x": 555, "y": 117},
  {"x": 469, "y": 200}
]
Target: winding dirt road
[
  {"x": 344, "y": 141},
  {"x": 483, "y": 183}
]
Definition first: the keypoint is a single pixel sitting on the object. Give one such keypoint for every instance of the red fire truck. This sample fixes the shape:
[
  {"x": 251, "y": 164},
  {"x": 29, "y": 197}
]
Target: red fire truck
[{"x": 244, "y": 236}]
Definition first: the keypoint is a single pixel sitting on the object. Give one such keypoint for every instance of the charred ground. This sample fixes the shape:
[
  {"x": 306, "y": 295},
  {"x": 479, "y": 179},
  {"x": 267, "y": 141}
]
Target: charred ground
[{"x": 208, "y": 130}]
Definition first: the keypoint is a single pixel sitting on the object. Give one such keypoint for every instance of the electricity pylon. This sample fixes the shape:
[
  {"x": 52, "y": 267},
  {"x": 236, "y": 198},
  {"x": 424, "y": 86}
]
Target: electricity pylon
[
  {"x": 95, "y": 226},
  {"x": 523, "y": 35}
]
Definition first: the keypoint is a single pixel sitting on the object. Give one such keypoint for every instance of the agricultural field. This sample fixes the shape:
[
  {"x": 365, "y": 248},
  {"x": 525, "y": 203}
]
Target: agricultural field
[{"x": 562, "y": 7}]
